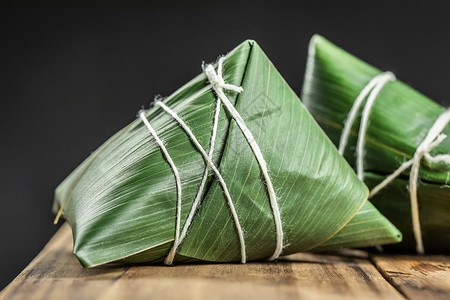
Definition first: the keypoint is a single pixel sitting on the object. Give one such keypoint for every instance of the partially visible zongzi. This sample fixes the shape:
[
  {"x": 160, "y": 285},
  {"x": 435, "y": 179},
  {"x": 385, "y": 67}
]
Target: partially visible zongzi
[
  {"x": 398, "y": 123},
  {"x": 121, "y": 202}
]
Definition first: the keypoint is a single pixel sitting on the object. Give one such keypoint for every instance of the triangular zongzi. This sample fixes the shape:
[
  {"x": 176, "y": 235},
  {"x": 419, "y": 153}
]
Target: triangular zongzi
[
  {"x": 121, "y": 202},
  {"x": 395, "y": 126}
]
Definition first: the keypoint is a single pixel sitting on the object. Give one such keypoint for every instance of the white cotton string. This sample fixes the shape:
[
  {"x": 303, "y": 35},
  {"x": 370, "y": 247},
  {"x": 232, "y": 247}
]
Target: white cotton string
[
  {"x": 404, "y": 166},
  {"x": 382, "y": 80},
  {"x": 219, "y": 85},
  {"x": 187, "y": 224},
  {"x": 354, "y": 111},
  {"x": 372, "y": 89},
  {"x": 219, "y": 176},
  {"x": 174, "y": 170}
]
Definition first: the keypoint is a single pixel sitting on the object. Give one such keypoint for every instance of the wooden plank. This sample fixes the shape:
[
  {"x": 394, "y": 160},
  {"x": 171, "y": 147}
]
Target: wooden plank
[
  {"x": 417, "y": 277},
  {"x": 56, "y": 274}
]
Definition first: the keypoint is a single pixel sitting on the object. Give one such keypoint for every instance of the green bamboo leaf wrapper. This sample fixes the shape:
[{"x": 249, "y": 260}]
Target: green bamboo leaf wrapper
[
  {"x": 121, "y": 201},
  {"x": 399, "y": 121}
]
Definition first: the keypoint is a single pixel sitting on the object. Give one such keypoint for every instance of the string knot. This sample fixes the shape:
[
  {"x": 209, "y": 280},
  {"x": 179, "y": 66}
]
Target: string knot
[{"x": 216, "y": 78}]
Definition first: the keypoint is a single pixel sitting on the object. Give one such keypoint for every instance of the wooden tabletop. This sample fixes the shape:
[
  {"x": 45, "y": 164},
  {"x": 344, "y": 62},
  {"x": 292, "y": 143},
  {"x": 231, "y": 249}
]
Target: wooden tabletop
[{"x": 56, "y": 274}]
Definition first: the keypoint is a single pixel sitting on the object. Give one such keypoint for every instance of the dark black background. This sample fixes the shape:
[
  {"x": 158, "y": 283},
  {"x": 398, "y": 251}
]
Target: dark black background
[{"x": 71, "y": 75}]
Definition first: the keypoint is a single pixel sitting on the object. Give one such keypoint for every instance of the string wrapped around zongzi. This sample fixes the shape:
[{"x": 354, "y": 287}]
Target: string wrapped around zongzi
[
  {"x": 392, "y": 135},
  {"x": 231, "y": 167}
]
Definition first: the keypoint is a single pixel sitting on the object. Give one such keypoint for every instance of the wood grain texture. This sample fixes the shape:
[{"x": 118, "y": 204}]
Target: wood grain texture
[
  {"x": 417, "y": 277},
  {"x": 56, "y": 274}
]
